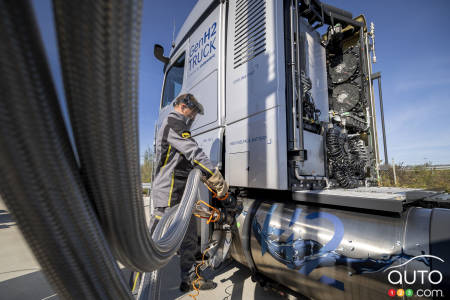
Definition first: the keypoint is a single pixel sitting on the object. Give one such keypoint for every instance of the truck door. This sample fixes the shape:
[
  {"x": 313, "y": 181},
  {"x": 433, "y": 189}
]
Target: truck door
[
  {"x": 195, "y": 68},
  {"x": 202, "y": 80}
]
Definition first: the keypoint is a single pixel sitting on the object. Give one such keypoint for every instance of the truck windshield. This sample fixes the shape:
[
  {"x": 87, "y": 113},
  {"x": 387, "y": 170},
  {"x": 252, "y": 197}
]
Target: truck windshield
[{"x": 174, "y": 81}]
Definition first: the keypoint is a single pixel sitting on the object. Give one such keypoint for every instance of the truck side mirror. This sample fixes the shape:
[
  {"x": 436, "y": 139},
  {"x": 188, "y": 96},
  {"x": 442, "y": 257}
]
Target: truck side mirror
[{"x": 158, "y": 51}]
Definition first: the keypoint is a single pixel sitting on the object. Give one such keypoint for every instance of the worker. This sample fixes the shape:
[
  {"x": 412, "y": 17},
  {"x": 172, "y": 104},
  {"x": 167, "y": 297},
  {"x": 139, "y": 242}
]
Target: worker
[{"x": 177, "y": 153}]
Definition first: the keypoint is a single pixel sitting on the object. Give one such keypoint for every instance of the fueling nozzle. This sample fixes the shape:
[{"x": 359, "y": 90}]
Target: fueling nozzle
[{"x": 205, "y": 211}]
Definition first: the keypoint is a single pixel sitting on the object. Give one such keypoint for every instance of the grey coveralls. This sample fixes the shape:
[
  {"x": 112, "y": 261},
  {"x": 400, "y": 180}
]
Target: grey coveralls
[{"x": 177, "y": 153}]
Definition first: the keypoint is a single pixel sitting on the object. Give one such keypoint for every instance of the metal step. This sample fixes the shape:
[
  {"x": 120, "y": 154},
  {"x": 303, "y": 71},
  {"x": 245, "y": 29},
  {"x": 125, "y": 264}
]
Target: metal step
[{"x": 390, "y": 199}]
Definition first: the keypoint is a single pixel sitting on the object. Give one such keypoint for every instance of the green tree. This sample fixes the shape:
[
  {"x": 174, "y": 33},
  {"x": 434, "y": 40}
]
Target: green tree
[{"x": 147, "y": 166}]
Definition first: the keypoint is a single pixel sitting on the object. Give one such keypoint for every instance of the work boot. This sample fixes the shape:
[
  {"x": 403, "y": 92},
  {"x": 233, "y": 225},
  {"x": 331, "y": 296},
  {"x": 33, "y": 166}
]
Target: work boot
[{"x": 202, "y": 284}]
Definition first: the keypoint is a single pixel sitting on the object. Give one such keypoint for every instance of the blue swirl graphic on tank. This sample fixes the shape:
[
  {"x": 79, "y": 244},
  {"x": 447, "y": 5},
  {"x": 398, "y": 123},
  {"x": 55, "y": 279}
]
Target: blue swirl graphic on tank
[{"x": 305, "y": 255}]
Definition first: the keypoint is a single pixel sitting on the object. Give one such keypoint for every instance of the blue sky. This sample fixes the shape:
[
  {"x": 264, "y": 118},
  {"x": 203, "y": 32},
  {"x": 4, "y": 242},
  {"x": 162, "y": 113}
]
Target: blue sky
[{"x": 412, "y": 48}]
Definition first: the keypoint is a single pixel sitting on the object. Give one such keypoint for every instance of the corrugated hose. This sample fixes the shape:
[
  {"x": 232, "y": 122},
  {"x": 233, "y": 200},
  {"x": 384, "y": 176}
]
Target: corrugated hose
[
  {"x": 70, "y": 214},
  {"x": 39, "y": 177},
  {"x": 99, "y": 49}
]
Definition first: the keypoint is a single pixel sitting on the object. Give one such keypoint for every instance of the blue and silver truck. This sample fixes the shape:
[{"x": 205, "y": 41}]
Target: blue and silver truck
[{"x": 290, "y": 119}]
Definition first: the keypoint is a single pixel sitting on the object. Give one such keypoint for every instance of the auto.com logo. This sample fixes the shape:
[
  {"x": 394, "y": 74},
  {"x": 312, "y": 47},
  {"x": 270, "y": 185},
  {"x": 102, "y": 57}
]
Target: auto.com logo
[{"x": 434, "y": 277}]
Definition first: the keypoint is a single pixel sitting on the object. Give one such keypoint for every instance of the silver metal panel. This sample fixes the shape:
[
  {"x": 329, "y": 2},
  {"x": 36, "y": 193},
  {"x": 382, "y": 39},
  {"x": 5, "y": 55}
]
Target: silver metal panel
[
  {"x": 201, "y": 70},
  {"x": 263, "y": 164},
  {"x": 240, "y": 248},
  {"x": 315, "y": 164},
  {"x": 255, "y": 105},
  {"x": 440, "y": 198},
  {"x": 202, "y": 52},
  {"x": 237, "y": 163},
  {"x": 440, "y": 246},
  {"x": 351, "y": 198},
  {"x": 258, "y": 84},
  {"x": 416, "y": 242},
  {"x": 316, "y": 68},
  {"x": 407, "y": 194},
  {"x": 202, "y": 228},
  {"x": 211, "y": 143},
  {"x": 376, "y": 198},
  {"x": 206, "y": 93},
  {"x": 417, "y": 232}
]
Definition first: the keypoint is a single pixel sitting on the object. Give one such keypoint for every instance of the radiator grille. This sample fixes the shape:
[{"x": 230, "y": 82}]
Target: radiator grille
[{"x": 250, "y": 30}]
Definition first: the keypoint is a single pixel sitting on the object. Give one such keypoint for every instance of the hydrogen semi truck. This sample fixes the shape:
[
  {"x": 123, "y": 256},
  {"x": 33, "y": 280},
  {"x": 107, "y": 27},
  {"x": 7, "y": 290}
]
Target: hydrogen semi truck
[
  {"x": 290, "y": 119},
  {"x": 287, "y": 88}
]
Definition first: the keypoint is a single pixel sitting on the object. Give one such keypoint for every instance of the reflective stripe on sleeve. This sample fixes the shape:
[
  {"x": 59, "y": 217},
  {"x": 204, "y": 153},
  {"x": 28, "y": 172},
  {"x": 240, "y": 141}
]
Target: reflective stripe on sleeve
[
  {"x": 167, "y": 156},
  {"x": 205, "y": 168},
  {"x": 171, "y": 188}
]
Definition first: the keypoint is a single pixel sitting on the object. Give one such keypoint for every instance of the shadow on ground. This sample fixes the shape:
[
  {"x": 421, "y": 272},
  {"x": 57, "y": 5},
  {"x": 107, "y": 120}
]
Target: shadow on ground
[
  {"x": 233, "y": 281},
  {"x": 29, "y": 286},
  {"x": 241, "y": 283}
]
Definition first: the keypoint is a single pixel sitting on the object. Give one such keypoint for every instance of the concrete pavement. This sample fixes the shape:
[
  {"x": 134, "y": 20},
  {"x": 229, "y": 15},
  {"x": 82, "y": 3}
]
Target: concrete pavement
[
  {"x": 21, "y": 278},
  {"x": 233, "y": 281}
]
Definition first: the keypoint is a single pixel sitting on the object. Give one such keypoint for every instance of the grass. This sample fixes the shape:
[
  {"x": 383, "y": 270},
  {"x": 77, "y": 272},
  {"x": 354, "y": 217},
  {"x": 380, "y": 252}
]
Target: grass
[{"x": 417, "y": 177}]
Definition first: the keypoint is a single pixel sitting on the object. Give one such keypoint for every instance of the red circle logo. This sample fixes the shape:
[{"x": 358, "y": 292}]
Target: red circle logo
[{"x": 392, "y": 293}]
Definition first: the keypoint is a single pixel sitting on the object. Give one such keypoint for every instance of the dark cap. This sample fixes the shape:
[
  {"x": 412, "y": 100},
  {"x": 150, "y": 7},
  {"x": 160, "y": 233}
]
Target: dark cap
[{"x": 190, "y": 102}]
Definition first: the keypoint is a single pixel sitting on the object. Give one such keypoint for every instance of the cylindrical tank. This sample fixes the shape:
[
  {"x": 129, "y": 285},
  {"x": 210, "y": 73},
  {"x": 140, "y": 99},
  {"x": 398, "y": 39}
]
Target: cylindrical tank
[{"x": 325, "y": 253}]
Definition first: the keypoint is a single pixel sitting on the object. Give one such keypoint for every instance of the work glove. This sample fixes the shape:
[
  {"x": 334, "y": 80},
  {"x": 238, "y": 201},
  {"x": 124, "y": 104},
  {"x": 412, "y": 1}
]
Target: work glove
[{"x": 218, "y": 183}]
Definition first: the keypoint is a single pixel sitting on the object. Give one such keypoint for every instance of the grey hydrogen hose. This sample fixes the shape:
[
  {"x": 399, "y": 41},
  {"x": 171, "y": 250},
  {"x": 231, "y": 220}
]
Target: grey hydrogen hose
[
  {"x": 149, "y": 288},
  {"x": 39, "y": 177},
  {"x": 99, "y": 52},
  {"x": 177, "y": 220},
  {"x": 40, "y": 180}
]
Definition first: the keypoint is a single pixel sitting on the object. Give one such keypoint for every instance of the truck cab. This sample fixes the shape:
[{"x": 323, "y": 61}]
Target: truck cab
[
  {"x": 242, "y": 61},
  {"x": 290, "y": 119}
]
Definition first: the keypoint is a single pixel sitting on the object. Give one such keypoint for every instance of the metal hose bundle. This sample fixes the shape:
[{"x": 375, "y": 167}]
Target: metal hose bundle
[
  {"x": 334, "y": 146},
  {"x": 359, "y": 157},
  {"x": 348, "y": 158},
  {"x": 149, "y": 287},
  {"x": 40, "y": 180},
  {"x": 179, "y": 217},
  {"x": 39, "y": 177},
  {"x": 99, "y": 43}
]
